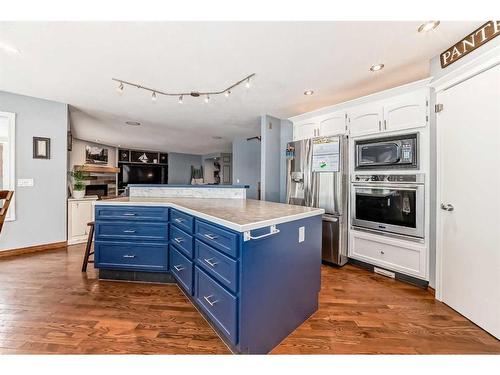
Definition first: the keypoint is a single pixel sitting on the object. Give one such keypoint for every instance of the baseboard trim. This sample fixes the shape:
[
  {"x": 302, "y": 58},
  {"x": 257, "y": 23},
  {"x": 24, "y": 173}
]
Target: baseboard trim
[
  {"x": 32, "y": 249},
  {"x": 398, "y": 275}
]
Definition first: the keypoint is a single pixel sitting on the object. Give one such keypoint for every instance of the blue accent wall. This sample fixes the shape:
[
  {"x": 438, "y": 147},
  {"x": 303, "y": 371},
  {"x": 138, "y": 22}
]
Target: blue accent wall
[
  {"x": 270, "y": 131},
  {"x": 246, "y": 164},
  {"x": 179, "y": 167}
]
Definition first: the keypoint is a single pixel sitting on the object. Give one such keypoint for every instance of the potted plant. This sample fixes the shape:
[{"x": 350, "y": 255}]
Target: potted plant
[{"x": 78, "y": 184}]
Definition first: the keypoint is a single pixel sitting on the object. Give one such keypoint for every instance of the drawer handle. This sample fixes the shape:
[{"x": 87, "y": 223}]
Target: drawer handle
[
  {"x": 129, "y": 231},
  {"x": 210, "y": 236},
  {"x": 129, "y": 214},
  {"x": 210, "y": 262},
  {"x": 179, "y": 268},
  {"x": 179, "y": 239},
  {"x": 211, "y": 303},
  {"x": 129, "y": 256},
  {"x": 178, "y": 220}
]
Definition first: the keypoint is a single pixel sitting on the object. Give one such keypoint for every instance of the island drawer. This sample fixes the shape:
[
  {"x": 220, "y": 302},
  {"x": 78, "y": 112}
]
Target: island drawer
[
  {"x": 221, "y": 239},
  {"x": 109, "y": 230},
  {"x": 105, "y": 212},
  {"x": 182, "y": 269},
  {"x": 217, "y": 303},
  {"x": 131, "y": 256},
  {"x": 182, "y": 220},
  {"x": 218, "y": 265},
  {"x": 182, "y": 241}
]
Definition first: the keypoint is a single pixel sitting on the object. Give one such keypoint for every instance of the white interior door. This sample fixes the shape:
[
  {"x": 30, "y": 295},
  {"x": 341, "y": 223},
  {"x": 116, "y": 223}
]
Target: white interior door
[{"x": 469, "y": 180}]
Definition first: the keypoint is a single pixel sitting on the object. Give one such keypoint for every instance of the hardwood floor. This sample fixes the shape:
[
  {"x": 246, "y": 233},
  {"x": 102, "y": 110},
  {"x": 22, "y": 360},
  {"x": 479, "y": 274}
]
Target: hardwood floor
[{"x": 48, "y": 306}]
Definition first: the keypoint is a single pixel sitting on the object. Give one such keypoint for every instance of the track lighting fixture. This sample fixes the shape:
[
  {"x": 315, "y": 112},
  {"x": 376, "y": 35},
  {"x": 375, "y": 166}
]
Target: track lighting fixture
[{"x": 195, "y": 94}]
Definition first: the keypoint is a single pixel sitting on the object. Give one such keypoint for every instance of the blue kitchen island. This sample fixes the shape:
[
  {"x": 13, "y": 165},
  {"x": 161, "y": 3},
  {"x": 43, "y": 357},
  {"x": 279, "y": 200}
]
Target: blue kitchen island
[{"x": 252, "y": 268}]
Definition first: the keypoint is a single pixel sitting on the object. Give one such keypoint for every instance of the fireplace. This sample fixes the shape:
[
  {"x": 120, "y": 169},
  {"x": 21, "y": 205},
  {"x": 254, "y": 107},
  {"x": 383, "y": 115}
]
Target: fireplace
[{"x": 99, "y": 190}]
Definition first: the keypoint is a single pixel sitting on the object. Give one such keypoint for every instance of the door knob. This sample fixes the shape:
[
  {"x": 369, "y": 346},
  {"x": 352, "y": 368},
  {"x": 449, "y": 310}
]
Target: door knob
[{"x": 447, "y": 207}]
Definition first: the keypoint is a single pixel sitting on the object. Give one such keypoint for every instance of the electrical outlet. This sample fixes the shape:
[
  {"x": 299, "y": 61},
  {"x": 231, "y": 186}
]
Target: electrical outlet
[
  {"x": 25, "y": 182},
  {"x": 302, "y": 234}
]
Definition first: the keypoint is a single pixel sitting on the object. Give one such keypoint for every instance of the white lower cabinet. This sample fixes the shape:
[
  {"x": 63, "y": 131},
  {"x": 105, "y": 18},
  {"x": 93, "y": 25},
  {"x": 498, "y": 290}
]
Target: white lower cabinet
[
  {"x": 407, "y": 257},
  {"x": 80, "y": 213}
]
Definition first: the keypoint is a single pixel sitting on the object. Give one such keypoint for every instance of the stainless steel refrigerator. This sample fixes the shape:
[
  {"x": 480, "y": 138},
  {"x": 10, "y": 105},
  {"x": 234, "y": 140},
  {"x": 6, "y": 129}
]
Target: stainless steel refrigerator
[{"x": 317, "y": 177}]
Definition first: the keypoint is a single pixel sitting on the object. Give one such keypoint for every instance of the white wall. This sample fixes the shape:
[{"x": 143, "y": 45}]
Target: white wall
[
  {"x": 77, "y": 154},
  {"x": 179, "y": 167},
  {"x": 246, "y": 165},
  {"x": 41, "y": 209}
]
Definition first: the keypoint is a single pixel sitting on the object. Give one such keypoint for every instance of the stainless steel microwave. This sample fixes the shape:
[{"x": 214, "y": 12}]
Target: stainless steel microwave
[{"x": 398, "y": 152}]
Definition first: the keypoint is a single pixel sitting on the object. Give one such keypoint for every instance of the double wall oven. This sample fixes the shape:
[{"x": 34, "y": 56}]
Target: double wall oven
[{"x": 388, "y": 202}]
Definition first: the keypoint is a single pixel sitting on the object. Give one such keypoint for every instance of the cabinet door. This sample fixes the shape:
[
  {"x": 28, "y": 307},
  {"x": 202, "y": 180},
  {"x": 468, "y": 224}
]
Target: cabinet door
[
  {"x": 366, "y": 119},
  {"x": 305, "y": 130},
  {"x": 81, "y": 214},
  {"x": 333, "y": 124},
  {"x": 406, "y": 111}
]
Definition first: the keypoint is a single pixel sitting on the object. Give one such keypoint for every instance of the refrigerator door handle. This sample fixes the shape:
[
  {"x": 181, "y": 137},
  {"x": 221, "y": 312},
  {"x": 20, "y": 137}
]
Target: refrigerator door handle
[{"x": 329, "y": 218}]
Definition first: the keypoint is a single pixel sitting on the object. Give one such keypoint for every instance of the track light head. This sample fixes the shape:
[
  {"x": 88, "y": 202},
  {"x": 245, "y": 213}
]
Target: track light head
[
  {"x": 227, "y": 93},
  {"x": 180, "y": 99},
  {"x": 247, "y": 85},
  {"x": 154, "y": 96},
  {"x": 120, "y": 88},
  {"x": 207, "y": 98}
]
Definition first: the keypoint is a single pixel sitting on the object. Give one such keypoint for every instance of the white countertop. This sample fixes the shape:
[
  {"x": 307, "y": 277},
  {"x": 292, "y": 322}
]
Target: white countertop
[{"x": 238, "y": 214}]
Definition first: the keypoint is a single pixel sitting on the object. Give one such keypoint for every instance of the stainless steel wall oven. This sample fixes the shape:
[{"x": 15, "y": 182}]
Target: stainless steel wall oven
[{"x": 389, "y": 203}]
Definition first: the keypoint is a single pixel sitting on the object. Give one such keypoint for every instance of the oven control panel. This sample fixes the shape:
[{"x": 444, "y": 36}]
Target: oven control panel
[{"x": 388, "y": 178}]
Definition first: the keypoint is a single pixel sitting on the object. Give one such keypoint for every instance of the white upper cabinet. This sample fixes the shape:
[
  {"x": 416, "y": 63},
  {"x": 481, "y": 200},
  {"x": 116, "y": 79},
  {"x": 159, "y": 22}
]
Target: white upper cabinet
[
  {"x": 383, "y": 114},
  {"x": 333, "y": 124},
  {"x": 305, "y": 130},
  {"x": 406, "y": 111},
  {"x": 366, "y": 119}
]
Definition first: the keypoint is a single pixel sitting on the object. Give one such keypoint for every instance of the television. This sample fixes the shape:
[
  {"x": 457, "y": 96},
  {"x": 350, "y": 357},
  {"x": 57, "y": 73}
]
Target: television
[{"x": 142, "y": 174}]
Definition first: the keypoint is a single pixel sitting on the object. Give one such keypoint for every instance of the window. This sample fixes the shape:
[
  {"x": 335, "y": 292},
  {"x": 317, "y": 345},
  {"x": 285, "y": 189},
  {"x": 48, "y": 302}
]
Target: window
[{"x": 7, "y": 154}]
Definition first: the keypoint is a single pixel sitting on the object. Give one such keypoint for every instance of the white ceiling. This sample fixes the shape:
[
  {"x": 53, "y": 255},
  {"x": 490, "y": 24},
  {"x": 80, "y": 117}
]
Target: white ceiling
[{"x": 73, "y": 62}]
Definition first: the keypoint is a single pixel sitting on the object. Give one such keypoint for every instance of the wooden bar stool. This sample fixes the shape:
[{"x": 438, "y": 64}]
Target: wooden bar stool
[
  {"x": 6, "y": 196},
  {"x": 88, "y": 253}
]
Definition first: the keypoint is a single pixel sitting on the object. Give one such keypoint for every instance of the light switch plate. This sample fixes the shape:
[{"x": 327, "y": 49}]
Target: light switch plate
[
  {"x": 25, "y": 182},
  {"x": 302, "y": 234}
]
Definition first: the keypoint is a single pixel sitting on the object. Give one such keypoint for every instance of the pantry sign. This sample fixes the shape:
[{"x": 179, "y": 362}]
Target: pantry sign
[{"x": 468, "y": 44}]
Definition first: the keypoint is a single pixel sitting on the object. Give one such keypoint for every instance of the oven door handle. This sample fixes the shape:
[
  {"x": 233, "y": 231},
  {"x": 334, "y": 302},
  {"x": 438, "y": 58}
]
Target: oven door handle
[{"x": 392, "y": 187}]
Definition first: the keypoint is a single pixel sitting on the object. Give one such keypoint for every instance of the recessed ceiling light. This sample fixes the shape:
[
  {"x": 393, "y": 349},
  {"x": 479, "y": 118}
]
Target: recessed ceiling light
[
  {"x": 9, "y": 49},
  {"x": 133, "y": 123},
  {"x": 377, "y": 67},
  {"x": 428, "y": 26},
  {"x": 308, "y": 92}
]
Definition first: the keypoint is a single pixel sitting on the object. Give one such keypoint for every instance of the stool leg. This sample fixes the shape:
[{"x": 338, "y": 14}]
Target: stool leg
[{"x": 87, "y": 249}]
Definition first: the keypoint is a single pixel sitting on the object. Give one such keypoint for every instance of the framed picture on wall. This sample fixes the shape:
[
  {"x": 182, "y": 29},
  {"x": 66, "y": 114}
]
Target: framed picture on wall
[
  {"x": 96, "y": 155},
  {"x": 41, "y": 148}
]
